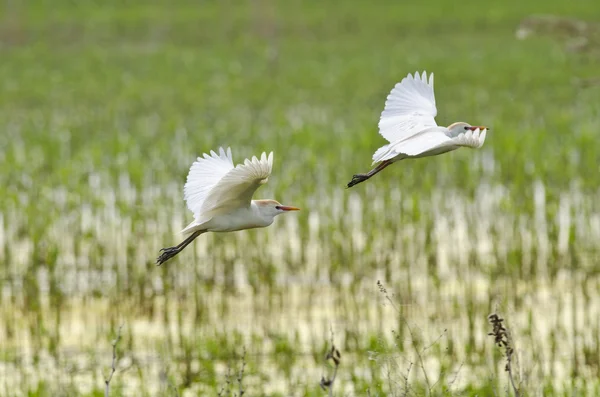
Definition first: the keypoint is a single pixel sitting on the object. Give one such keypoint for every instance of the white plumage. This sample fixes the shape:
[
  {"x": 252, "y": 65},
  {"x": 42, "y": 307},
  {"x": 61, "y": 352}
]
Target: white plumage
[
  {"x": 215, "y": 186},
  {"x": 220, "y": 196},
  {"x": 408, "y": 123},
  {"x": 409, "y": 108}
]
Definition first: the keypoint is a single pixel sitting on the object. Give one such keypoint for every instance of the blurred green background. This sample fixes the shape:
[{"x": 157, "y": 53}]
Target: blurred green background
[{"x": 105, "y": 105}]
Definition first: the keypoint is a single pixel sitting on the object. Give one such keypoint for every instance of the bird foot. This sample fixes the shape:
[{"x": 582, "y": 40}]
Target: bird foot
[
  {"x": 358, "y": 178},
  {"x": 166, "y": 254}
]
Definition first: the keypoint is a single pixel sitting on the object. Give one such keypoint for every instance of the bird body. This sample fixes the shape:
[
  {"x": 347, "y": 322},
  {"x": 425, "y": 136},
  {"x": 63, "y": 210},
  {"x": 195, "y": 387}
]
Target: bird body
[
  {"x": 408, "y": 123},
  {"x": 255, "y": 216},
  {"x": 220, "y": 196},
  {"x": 431, "y": 142}
]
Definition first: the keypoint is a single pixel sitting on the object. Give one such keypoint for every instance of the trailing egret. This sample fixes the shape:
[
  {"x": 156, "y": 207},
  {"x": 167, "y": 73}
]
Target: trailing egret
[
  {"x": 408, "y": 123},
  {"x": 220, "y": 196}
]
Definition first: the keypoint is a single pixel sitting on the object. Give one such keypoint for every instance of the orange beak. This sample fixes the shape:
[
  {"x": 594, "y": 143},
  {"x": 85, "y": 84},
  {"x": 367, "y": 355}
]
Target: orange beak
[
  {"x": 287, "y": 208},
  {"x": 480, "y": 127}
]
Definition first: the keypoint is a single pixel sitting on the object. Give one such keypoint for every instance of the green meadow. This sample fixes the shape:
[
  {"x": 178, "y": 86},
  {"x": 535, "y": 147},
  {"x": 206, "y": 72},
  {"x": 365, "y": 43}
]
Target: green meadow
[{"x": 105, "y": 105}]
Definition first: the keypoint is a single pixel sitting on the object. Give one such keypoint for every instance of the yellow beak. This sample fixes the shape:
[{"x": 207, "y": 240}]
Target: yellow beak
[{"x": 287, "y": 208}]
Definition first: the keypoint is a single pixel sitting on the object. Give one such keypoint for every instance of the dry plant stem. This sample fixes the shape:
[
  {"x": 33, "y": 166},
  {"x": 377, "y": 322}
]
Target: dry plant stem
[
  {"x": 502, "y": 339},
  {"x": 412, "y": 337},
  {"x": 333, "y": 380},
  {"x": 226, "y": 390},
  {"x": 455, "y": 377},
  {"x": 510, "y": 376},
  {"x": 241, "y": 374},
  {"x": 114, "y": 363},
  {"x": 227, "y": 382},
  {"x": 335, "y": 356},
  {"x": 406, "y": 385},
  {"x": 426, "y": 348}
]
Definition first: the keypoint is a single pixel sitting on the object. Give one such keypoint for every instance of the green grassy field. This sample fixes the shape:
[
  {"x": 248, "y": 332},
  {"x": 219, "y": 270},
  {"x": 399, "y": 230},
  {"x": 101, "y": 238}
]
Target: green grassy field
[{"x": 104, "y": 106}]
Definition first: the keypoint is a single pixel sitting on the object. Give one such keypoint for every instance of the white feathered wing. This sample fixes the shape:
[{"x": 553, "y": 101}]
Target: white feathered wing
[
  {"x": 214, "y": 186},
  {"x": 434, "y": 141},
  {"x": 409, "y": 109}
]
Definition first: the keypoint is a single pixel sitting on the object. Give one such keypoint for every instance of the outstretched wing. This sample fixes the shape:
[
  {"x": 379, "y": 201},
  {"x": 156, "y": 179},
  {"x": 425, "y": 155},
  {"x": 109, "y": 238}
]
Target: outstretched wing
[
  {"x": 409, "y": 108},
  {"x": 204, "y": 174},
  {"x": 236, "y": 188},
  {"x": 432, "y": 142}
]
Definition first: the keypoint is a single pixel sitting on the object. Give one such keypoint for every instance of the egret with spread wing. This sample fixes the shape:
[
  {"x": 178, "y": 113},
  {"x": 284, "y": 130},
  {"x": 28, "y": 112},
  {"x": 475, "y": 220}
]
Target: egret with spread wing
[
  {"x": 220, "y": 196},
  {"x": 408, "y": 123}
]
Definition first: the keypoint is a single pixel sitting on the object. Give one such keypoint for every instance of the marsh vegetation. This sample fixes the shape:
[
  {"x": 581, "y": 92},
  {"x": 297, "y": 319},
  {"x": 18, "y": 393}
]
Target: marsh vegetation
[{"x": 104, "y": 107}]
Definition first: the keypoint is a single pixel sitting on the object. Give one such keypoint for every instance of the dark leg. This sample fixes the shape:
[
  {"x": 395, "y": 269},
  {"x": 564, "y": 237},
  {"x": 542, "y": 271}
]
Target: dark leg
[
  {"x": 358, "y": 178},
  {"x": 168, "y": 253}
]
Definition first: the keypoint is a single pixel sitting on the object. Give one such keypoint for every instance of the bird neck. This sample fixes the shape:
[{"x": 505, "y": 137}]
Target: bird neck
[{"x": 263, "y": 212}]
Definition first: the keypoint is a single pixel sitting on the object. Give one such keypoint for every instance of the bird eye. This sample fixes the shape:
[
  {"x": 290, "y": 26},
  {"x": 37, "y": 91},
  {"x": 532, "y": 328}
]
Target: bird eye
[
  {"x": 277, "y": 207},
  {"x": 466, "y": 128}
]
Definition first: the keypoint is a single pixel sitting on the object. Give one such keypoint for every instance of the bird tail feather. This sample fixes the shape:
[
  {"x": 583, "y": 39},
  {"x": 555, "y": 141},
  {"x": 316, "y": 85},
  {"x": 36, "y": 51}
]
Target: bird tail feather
[
  {"x": 379, "y": 153},
  {"x": 383, "y": 153},
  {"x": 192, "y": 227}
]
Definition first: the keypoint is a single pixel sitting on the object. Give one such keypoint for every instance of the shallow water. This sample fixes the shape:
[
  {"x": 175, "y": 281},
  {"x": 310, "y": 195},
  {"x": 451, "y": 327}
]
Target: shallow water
[{"x": 281, "y": 291}]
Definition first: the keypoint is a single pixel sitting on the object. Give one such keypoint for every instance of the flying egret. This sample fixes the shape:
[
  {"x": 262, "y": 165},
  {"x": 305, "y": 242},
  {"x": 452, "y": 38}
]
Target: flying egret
[
  {"x": 408, "y": 123},
  {"x": 220, "y": 196}
]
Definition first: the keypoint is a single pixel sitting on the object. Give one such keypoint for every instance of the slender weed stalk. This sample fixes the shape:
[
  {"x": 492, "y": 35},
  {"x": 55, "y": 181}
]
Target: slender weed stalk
[
  {"x": 113, "y": 366},
  {"x": 504, "y": 341}
]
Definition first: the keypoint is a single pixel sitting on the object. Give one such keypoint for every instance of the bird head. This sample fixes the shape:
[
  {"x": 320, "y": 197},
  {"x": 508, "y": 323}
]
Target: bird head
[
  {"x": 462, "y": 127},
  {"x": 273, "y": 207}
]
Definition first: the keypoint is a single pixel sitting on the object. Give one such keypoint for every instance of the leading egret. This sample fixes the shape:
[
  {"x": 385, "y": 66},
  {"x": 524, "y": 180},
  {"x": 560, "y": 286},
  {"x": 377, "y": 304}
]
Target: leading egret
[
  {"x": 220, "y": 196},
  {"x": 408, "y": 123}
]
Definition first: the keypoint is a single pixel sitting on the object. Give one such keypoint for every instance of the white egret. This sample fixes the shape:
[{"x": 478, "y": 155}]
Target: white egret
[
  {"x": 220, "y": 196},
  {"x": 408, "y": 123}
]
